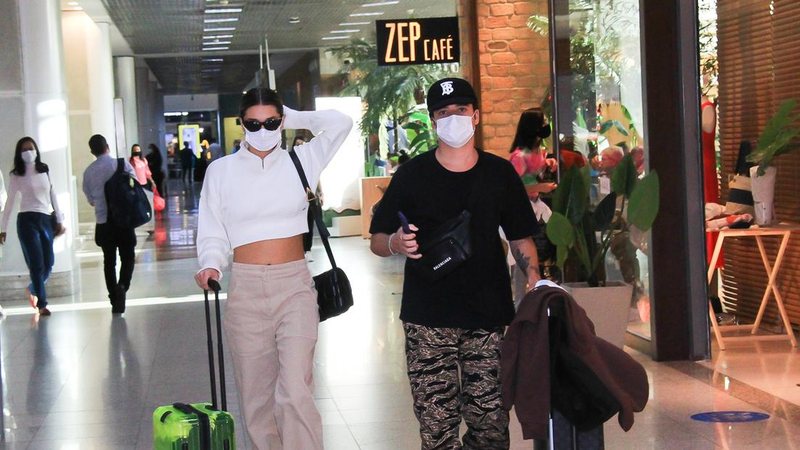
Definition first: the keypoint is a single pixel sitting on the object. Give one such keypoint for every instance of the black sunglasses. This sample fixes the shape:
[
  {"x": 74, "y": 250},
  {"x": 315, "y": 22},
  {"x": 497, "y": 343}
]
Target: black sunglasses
[{"x": 253, "y": 125}]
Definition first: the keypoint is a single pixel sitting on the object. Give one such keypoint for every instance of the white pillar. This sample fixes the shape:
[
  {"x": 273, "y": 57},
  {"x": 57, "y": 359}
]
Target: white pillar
[
  {"x": 44, "y": 119},
  {"x": 90, "y": 89},
  {"x": 100, "y": 82},
  {"x": 126, "y": 90}
]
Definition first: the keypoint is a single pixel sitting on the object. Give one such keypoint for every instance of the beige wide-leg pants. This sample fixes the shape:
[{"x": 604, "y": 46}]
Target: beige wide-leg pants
[{"x": 271, "y": 321}]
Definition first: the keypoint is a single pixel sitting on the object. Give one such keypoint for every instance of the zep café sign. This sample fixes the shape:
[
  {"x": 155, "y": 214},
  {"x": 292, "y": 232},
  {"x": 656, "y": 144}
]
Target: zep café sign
[{"x": 418, "y": 41}]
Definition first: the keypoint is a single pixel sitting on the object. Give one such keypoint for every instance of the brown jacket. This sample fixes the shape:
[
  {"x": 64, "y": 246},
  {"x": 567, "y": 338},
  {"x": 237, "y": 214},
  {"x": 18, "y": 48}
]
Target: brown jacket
[{"x": 525, "y": 363}]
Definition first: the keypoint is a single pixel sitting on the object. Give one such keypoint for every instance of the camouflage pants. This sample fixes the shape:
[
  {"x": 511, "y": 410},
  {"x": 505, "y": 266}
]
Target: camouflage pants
[{"x": 454, "y": 374}]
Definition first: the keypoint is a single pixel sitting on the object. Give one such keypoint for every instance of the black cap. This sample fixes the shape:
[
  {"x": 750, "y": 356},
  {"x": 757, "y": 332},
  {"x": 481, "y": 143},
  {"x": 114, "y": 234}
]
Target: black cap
[{"x": 450, "y": 91}]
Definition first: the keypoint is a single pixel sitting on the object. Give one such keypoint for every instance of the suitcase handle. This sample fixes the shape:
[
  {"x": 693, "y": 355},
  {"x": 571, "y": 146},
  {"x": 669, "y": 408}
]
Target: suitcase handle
[{"x": 214, "y": 285}]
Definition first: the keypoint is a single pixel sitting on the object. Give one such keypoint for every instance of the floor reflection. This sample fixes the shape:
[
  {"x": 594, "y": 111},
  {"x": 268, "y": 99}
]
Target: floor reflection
[{"x": 84, "y": 379}]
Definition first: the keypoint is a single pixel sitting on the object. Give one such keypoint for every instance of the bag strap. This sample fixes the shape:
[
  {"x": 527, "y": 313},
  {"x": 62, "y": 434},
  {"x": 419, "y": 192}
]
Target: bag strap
[
  {"x": 120, "y": 164},
  {"x": 316, "y": 210}
]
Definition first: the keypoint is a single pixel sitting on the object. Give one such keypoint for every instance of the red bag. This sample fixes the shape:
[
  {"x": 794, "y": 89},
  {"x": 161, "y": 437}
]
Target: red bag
[{"x": 158, "y": 201}]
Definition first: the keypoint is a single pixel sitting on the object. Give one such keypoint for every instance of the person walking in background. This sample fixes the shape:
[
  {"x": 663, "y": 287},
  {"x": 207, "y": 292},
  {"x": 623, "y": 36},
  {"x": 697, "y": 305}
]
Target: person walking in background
[
  {"x": 30, "y": 178},
  {"x": 187, "y": 163},
  {"x": 155, "y": 161},
  {"x": 254, "y": 203},
  {"x": 454, "y": 325},
  {"x": 529, "y": 158},
  {"x": 108, "y": 236},
  {"x": 145, "y": 177},
  {"x": 216, "y": 151},
  {"x": 236, "y": 145}
]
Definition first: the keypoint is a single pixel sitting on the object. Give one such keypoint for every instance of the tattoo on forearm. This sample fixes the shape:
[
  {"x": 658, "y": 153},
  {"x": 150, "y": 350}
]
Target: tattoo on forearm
[{"x": 523, "y": 260}]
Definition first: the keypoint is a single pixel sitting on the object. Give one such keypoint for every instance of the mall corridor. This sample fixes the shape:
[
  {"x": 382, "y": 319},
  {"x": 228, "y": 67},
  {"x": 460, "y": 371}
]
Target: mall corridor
[{"x": 84, "y": 379}]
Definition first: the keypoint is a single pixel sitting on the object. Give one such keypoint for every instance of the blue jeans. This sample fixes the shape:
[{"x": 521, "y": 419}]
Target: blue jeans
[{"x": 35, "y": 231}]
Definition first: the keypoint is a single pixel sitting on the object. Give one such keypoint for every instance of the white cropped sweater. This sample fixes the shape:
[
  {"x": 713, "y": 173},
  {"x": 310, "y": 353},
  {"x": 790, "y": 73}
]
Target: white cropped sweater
[{"x": 246, "y": 199}]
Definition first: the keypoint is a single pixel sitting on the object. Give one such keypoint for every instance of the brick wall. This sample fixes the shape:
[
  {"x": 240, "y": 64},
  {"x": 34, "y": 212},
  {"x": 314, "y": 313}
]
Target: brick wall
[{"x": 513, "y": 65}]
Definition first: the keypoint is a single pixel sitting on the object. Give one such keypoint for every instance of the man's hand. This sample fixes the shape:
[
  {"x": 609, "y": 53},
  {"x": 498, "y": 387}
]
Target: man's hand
[
  {"x": 405, "y": 244},
  {"x": 59, "y": 230},
  {"x": 204, "y": 275},
  {"x": 2, "y": 238}
]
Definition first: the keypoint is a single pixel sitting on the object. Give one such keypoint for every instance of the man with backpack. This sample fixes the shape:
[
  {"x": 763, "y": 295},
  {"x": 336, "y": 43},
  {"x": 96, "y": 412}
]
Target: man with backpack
[{"x": 111, "y": 235}]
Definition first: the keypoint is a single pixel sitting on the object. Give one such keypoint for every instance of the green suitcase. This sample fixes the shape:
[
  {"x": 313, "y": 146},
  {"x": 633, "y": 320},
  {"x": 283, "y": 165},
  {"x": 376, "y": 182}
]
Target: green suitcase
[{"x": 198, "y": 426}]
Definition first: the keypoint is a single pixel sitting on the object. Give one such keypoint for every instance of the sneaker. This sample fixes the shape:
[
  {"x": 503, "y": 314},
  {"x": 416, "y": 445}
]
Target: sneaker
[
  {"x": 32, "y": 299},
  {"x": 44, "y": 311}
]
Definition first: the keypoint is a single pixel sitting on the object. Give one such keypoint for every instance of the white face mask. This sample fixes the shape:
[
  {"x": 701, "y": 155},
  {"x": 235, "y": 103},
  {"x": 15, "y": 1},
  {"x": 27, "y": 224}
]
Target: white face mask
[
  {"x": 455, "y": 130},
  {"x": 263, "y": 139},
  {"x": 28, "y": 156}
]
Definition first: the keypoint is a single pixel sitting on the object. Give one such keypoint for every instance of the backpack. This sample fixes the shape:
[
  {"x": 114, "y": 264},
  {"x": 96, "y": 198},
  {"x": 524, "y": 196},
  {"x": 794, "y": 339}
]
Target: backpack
[{"x": 127, "y": 203}]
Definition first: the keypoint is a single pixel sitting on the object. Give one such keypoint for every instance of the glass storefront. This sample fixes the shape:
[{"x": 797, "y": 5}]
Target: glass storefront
[{"x": 597, "y": 111}]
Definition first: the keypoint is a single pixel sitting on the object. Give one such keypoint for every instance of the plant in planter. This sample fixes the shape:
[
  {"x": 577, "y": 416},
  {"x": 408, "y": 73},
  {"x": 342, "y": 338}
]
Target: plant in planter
[
  {"x": 776, "y": 139},
  {"x": 584, "y": 234}
]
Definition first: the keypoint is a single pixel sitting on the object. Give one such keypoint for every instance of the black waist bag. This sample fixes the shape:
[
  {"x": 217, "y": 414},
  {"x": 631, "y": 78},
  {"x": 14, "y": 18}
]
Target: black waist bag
[{"x": 445, "y": 249}]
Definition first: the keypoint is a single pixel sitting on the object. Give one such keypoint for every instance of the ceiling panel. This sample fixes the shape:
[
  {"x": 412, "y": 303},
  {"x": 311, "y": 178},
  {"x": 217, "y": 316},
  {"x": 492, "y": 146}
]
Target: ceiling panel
[{"x": 169, "y": 34}]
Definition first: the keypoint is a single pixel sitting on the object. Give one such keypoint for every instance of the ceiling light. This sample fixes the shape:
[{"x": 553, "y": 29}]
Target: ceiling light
[
  {"x": 72, "y": 3},
  {"x": 213, "y": 59},
  {"x": 223, "y": 11},
  {"x": 294, "y": 19},
  {"x": 345, "y": 31},
  {"x": 217, "y": 43},
  {"x": 219, "y": 36},
  {"x": 211, "y": 69},
  {"x": 223, "y": 19},
  {"x": 206, "y": 49},
  {"x": 366, "y": 14},
  {"x": 212, "y": 30},
  {"x": 331, "y": 38},
  {"x": 353, "y": 24},
  {"x": 367, "y": 5}
]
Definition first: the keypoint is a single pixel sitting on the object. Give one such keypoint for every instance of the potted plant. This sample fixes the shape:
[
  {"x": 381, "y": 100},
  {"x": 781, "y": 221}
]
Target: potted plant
[
  {"x": 775, "y": 140},
  {"x": 583, "y": 234}
]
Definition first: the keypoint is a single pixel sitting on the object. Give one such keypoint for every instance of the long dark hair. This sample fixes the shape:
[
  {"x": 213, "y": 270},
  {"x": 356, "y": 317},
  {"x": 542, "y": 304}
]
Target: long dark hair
[
  {"x": 531, "y": 129},
  {"x": 260, "y": 96},
  {"x": 19, "y": 164}
]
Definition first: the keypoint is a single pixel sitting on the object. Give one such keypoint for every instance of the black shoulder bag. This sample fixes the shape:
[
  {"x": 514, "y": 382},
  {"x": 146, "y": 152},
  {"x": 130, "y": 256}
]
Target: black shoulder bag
[{"x": 334, "y": 295}]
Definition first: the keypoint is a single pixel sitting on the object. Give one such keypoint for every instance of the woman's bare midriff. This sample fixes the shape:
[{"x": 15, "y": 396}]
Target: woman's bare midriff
[{"x": 270, "y": 251}]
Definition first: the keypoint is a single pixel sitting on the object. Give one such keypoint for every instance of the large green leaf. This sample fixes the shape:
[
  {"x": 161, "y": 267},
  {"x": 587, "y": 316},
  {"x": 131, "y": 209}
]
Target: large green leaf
[
  {"x": 559, "y": 230},
  {"x": 578, "y": 201},
  {"x": 604, "y": 212},
  {"x": 644, "y": 202},
  {"x": 623, "y": 179}
]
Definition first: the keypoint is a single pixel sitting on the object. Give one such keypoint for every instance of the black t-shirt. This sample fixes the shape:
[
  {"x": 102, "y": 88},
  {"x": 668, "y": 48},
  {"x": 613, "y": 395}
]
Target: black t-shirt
[{"x": 478, "y": 293}]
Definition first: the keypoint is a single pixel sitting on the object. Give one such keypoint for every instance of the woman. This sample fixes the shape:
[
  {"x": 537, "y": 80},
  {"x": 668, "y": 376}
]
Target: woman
[
  {"x": 155, "y": 162},
  {"x": 145, "y": 178},
  {"x": 527, "y": 155},
  {"x": 253, "y": 202},
  {"x": 530, "y": 161},
  {"x": 30, "y": 179}
]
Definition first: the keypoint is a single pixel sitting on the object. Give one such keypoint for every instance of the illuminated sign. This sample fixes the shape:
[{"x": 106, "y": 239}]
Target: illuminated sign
[{"x": 418, "y": 41}]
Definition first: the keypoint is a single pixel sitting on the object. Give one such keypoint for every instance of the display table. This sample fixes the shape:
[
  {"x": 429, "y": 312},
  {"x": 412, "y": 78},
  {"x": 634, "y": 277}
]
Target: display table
[{"x": 783, "y": 231}]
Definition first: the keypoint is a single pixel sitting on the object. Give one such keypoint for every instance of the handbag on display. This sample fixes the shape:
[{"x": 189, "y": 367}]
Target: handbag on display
[
  {"x": 334, "y": 295},
  {"x": 740, "y": 193}
]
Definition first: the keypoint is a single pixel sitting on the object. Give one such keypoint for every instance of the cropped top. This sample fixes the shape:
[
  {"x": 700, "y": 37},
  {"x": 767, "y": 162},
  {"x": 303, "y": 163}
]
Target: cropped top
[{"x": 247, "y": 199}]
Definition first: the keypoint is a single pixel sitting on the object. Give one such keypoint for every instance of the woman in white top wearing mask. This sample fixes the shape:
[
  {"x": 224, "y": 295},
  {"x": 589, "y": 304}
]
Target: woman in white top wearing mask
[
  {"x": 30, "y": 179},
  {"x": 254, "y": 203}
]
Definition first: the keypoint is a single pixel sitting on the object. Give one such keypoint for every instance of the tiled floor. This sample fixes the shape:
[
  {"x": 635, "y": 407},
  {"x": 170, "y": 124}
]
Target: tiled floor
[{"x": 82, "y": 379}]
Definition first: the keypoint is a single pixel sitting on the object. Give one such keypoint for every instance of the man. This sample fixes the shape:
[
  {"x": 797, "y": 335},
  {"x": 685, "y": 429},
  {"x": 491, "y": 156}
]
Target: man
[
  {"x": 454, "y": 325},
  {"x": 109, "y": 237},
  {"x": 187, "y": 163},
  {"x": 216, "y": 151}
]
